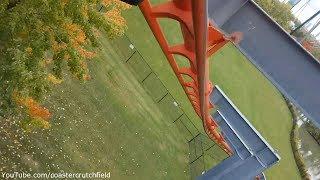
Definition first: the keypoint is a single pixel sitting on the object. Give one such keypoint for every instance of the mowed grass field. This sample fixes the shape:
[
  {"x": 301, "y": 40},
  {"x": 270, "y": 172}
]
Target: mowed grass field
[
  {"x": 108, "y": 124},
  {"x": 254, "y": 95}
]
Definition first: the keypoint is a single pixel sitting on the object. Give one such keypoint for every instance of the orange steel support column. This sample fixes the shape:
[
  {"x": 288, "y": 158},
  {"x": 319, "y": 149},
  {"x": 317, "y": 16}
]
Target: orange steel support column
[
  {"x": 200, "y": 21},
  {"x": 200, "y": 41}
]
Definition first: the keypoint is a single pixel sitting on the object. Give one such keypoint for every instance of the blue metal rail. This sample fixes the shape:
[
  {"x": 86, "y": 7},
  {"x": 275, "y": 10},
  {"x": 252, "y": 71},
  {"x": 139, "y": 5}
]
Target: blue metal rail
[{"x": 252, "y": 154}]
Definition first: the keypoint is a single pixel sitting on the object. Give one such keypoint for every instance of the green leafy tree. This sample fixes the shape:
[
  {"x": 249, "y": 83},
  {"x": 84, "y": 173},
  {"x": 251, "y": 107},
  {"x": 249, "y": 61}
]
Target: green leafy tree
[
  {"x": 39, "y": 39},
  {"x": 279, "y": 11}
]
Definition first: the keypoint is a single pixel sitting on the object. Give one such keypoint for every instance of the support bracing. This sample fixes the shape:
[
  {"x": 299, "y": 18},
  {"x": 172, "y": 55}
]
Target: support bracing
[{"x": 201, "y": 40}]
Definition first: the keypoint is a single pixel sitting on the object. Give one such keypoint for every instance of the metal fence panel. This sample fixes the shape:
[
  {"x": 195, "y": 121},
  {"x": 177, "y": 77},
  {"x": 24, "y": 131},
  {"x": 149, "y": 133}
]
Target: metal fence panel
[
  {"x": 125, "y": 48},
  {"x": 197, "y": 167},
  {"x": 154, "y": 87},
  {"x": 169, "y": 105},
  {"x": 201, "y": 158},
  {"x": 140, "y": 67},
  {"x": 190, "y": 126},
  {"x": 203, "y": 152},
  {"x": 183, "y": 129}
]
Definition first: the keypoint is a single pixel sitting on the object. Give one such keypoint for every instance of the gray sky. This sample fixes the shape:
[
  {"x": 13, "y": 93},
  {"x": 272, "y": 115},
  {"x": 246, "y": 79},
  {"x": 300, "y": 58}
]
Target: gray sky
[{"x": 308, "y": 11}]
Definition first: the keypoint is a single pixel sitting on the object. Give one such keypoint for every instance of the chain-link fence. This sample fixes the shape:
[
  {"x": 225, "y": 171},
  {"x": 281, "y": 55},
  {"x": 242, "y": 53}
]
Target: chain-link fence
[{"x": 203, "y": 152}]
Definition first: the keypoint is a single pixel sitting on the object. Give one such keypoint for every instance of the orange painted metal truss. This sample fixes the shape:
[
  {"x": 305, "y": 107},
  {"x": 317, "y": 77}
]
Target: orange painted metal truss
[{"x": 201, "y": 40}]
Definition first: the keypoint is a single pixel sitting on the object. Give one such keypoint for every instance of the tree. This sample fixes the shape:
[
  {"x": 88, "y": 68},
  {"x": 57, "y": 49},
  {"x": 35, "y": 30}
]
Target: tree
[
  {"x": 279, "y": 11},
  {"x": 39, "y": 39}
]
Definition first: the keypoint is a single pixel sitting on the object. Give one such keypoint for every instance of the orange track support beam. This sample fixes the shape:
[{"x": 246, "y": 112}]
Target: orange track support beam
[{"x": 201, "y": 40}]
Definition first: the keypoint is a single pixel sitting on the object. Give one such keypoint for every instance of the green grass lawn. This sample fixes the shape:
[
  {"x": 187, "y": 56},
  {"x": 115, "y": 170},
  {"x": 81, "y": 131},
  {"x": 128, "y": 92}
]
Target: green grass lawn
[
  {"x": 108, "y": 124},
  {"x": 257, "y": 99}
]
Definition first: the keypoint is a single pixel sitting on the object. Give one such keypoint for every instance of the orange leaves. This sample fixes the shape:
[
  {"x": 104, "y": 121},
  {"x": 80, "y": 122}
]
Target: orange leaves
[
  {"x": 34, "y": 109},
  {"x": 58, "y": 46},
  {"x": 85, "y": 53},
  {"x": 107, "y": 2},
  {"x": 114, "y": 17},
  {"x": 78, "y": 38},
  {"x": 87, "y": 77},
  {"x": 38, "y": 115},
  {"x": 75, "y": 33},
  {"x": 117, "y": 22},
  {"x": 116, "y": 3}
]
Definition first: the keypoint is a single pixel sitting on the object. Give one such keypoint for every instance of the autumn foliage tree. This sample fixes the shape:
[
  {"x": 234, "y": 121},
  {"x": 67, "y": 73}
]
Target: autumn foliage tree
[{"x": 39, "y": 39}]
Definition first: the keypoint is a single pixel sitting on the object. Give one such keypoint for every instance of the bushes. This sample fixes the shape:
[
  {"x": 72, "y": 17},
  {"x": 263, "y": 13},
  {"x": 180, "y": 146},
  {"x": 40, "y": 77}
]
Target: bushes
[
  {"x": 294, "y": 145},
  {"x": 279, "y": 11}
]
